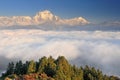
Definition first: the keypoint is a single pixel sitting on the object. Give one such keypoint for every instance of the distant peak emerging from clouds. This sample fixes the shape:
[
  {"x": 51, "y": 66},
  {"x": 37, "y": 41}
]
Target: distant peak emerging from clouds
[{"x": 41, "y": 18}]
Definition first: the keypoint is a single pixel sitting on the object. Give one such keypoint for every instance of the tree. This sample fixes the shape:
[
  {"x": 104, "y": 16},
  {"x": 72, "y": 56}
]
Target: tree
[
  {"x": 25, "y": 67},
  {"x": 90, "y": 77},
  {"x": 31, "y": 67},
  {"x": 10, "y": 69},
  {"x": 77, "y": 73},
  {"x": 19, "y": 68},
  {"x": 63, "y": 67},
  {"x": 59, "y": 76},
  {"x": 99, "y": 75},
  {"x": 50, "y": 68},
  {"x": 42, "y": 63},
  {"x": 37, "y": 66},
  {"x": 105, "y": 77}
]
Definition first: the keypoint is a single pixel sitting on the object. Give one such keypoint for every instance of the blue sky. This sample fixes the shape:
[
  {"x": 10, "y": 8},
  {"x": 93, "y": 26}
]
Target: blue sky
[{"x": 93, "y": 10}]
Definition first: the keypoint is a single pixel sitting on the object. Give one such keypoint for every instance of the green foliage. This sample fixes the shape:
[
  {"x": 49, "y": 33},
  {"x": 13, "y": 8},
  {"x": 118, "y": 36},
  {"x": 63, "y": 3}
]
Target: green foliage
[
  {"x": 19, "y": 68},
  {"x": 31, "y": 67},
  {"x": 42, "y": 63},
  {"x": 63, "y": 68},
  {"x": 77, "y": 73},
  {"x": 51, "y": 69},
  {"x": 10, "y": 69}
]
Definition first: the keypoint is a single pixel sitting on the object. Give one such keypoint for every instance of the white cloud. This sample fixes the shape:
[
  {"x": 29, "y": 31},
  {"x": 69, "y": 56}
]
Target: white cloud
[
  {"x": 41, "y": 18},
  {"x": 97, "y": 48}
]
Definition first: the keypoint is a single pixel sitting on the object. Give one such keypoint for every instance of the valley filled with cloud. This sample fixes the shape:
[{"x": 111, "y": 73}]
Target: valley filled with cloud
[
  {"x": 45, "y": 34},
  {"x": 100, "y": 49}
]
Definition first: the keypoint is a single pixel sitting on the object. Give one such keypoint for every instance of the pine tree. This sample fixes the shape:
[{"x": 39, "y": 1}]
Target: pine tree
[
  {"x": 25, "y": 67},
  {"x": 99, "y": 75},
  {"x": 77, "y": 73},
  {"x": 50, "y": 67},
  {"x": 19, "y": 68},
  {"x": 10, "y": 69},
  {"x": 42, "y": 63},
  {"x": 63, "y": 67},
  {"x": 31, "y": 67}
]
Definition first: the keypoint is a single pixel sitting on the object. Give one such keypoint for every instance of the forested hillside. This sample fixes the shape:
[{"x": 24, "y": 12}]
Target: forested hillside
[{"x": 52, "y": 69}]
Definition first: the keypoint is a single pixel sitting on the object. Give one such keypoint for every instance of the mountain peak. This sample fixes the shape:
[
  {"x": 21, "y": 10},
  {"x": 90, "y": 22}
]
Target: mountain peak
[
  {"x": 42, "y": 17},
  {"x": 45, "y": 15},
  {"x": 46, "y": 12}
]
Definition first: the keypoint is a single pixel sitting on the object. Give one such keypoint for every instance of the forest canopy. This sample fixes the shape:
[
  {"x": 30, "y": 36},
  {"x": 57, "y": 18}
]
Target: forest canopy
[{"x": 52, "y": 69}]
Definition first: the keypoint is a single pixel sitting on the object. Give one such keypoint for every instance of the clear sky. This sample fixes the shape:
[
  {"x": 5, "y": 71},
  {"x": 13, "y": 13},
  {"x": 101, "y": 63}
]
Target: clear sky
[{"x": 93, "y": 10}]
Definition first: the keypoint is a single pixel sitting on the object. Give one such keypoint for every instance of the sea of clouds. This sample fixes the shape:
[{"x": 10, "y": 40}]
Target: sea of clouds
[{"x": 100, "y": 49}]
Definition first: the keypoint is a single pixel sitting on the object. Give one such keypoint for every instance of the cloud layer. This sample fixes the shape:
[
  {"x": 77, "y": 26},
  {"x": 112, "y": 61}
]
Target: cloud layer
[
  {"x": 111, "y": 23},
  {"x": 97, "y": 48},
  {"x": 41, "y": 18}
]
